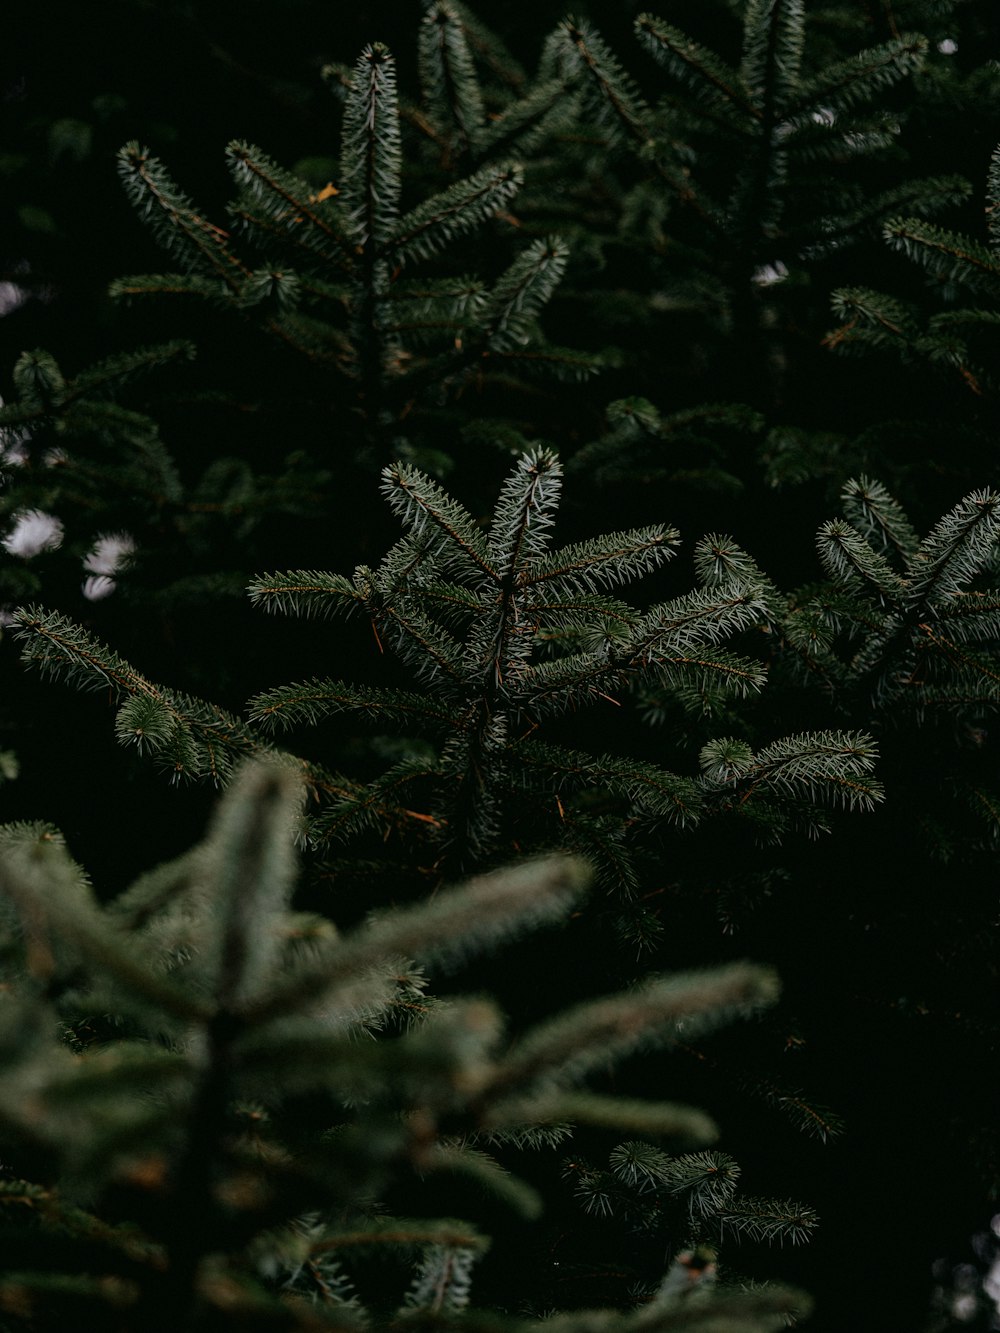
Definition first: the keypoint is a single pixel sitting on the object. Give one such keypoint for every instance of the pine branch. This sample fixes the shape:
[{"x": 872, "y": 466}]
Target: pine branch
[
  {"x": 439, "y": 220},
  {"x": 519, "y": 294},
  {"x": 188, "y": 736},
  {"x": 305, "y": 592},
  {"x": 175, "y": 222},
  {"x": 290, "y": 204},
  {"x": 448, "y": 75},
  {"x": 773, "y": 46},
  {"x": 371, "y": 152},
  {"x": 309, "y": 702},
  {"x": 715, "y": 85},
  {"x": 432, "y": 514},
  {"x": 652, "y": 1014}
]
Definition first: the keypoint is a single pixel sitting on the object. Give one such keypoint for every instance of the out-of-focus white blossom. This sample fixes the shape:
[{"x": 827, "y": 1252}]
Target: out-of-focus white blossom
[
  {"x": 768, "y": 274},
  {"x": 97, "y": 586},
  {"x": 33, "y": 531},
  {"x": 109, "y": 553}
]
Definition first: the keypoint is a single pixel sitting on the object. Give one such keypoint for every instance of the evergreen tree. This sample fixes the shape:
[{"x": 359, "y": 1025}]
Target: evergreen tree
[
  {"x": 959, "y": 339},
  {"x": 470, "y": 614},
  {"x": 493, "y": 691},
  {"x": 160, "y": 1053}
]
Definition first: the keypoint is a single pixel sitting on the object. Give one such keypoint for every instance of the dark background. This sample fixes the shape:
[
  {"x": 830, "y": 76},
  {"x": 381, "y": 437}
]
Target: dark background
[{"x": 898, "y": 1034}]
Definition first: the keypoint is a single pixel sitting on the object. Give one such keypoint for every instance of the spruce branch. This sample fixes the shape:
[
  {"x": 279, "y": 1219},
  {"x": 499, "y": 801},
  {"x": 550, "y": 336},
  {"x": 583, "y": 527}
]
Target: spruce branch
[
  {"x": 290, "y": 204},
  {"x": 309, "y": 702},
  {"x": 653, "y": 1014},
  {"x": 716, "y": 85},
  {"x": 189, "y": 736},
  {"x": 175, "y": 222},
  {"x": 857, "y": 80},
  {"x": 773, "y": 46},
  {"x": 448, "y": 75},
  {"x": 439, "y": 220},
  {"x": 612, "y": 95},
  {"x": 371, "y": 153},
  {"x": 484, "y": 912}
]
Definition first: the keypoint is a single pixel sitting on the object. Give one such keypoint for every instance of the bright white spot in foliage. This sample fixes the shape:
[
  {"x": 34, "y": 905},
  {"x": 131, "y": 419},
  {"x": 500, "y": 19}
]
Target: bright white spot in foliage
[
  {"x": 98, "y": 586},
  {"x": 11, "y": 296},
  {"x": 12, "y": 442},
  {"x": 991, "y": 1282},
  {"x": 948, "y": 47},
  {"x": 824, "y": 115},
  {"x": 33, "y": 531},
  {"x": 768, "y": 274},
  {"x": 109, "y": 553}
]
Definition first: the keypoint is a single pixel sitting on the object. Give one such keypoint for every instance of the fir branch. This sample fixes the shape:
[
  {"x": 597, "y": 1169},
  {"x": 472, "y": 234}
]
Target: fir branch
[
  {"x": 371, "y": 153},
  {"x": 773, "y": 45},
  {"x": 946, "y": 254},
  {"x": 289, "y": 203},
  {"x": 247, "y": 858},
  {"x": 849, "y": 559},
  {"x": 768, "y": 1220},
  {"x": 860, "y": 78},
  {"x": 653, "y": 1014},
  {"x": 432, "y": 514},
  {"x": 524, "y": 125},
  {"x": 309, "y": 702},
  {"x": 687, "y": 623},
  {"x": 520, "y": 530},
  {"x": 656, "y": 791},
  {"x": 956, "y": 550},
  {"x": 439, "y": 220},
  {"x": 619, "y": 1113},
  {"x": 714, "y": 84},
  {"x": 613, "y": 95},
  {"x": 381, "y": 806},
  {"x": 174, "y": 284},
  {"x": 448, "y": 75},
  {"x": 603, "y": 563},
  {"x": 304, "y": 592},
  {"x": 109, "y": 374},
  {"x": 874, "y": 512},
  {"x": 174, "y": 220},
  {"x": 836, "y": 765},
  {"x": 55, "y": 898},
  {"x": 481, "y": 913},
  {"x": 520, "y": 293},
  {"x": 190, "y": 737}
]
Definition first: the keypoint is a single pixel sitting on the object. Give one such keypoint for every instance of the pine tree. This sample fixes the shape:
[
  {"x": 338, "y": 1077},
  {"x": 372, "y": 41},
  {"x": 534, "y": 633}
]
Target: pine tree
[
  {"x": 717, "y": 405},
  {"x": 335, "y": 282},
  {"x": 156, "y": 1054},
  {"x": 959, "y": 339},
  {"x": 751, "y": 167},
  {"x": 471, "y": 615}
]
